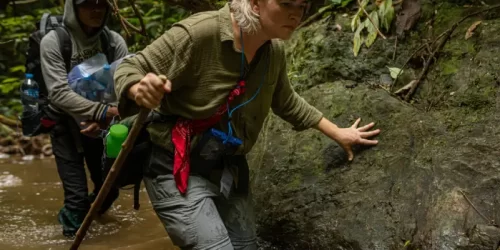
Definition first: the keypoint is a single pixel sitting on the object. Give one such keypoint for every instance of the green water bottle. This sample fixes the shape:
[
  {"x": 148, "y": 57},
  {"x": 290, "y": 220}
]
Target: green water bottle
[{"x": 117, "y": 135}]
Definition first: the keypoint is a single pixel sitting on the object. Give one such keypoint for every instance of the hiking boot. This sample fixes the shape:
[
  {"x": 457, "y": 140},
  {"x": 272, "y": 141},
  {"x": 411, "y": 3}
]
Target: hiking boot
[{"x": 70, "y": 221}]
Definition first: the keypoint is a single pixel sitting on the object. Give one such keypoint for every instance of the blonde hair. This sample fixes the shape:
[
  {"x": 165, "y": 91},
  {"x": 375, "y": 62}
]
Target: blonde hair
[{"x": 246, "y": 18}]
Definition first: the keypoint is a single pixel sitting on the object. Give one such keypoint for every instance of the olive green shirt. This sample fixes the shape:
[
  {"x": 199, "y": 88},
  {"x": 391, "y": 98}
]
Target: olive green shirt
[{"x": 198, "y": 56}]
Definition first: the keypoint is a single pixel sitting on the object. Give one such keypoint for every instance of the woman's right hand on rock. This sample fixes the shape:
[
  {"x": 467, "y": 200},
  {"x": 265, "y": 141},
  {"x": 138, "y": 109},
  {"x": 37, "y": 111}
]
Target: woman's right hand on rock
[{"x": 149, "y": 91}]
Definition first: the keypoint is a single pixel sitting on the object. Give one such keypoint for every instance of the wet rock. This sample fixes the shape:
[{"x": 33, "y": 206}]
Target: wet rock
[
  {"x": 482, "y": 236},
  {"x": 385, "y": 81},
  {"x": 28, "y": 158},
  {"x": 47, "y": 150},
  {"x": 16, "y": 144},
  {"x": 407, "y": 16}
]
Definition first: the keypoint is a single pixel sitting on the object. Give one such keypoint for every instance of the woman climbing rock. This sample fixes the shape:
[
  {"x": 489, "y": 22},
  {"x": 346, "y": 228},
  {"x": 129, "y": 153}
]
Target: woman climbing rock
[{"x": 226, "y": 70}]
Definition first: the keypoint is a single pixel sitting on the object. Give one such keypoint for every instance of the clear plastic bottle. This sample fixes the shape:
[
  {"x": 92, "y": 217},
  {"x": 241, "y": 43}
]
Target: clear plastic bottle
[
  {"x": 30, "y": 94},
  {"x": 105, "y": 79},
  {"x": 85, "y": 88}
]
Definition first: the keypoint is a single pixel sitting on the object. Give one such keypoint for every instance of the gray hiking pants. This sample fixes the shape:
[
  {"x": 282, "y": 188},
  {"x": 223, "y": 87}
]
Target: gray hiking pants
[{"x": 203, "y": 218}]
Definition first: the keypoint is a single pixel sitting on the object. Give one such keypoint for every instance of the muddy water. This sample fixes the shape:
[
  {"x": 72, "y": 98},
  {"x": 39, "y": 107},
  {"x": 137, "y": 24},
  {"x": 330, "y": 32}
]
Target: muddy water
[{"x": 31, "y": 196}]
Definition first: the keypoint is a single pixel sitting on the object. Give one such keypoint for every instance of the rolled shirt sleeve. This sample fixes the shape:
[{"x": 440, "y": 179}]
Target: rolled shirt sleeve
[
  {"x": 291, "y": 107},
  {"x": 169, "y": 55}
]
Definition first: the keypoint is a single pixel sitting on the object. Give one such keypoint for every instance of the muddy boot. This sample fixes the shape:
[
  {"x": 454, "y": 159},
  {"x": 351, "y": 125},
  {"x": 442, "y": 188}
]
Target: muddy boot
[{"x": 70, "y": 221}]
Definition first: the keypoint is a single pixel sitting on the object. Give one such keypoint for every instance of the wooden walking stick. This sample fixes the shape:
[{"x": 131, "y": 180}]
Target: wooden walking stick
[{"x": 113, "y": 173}]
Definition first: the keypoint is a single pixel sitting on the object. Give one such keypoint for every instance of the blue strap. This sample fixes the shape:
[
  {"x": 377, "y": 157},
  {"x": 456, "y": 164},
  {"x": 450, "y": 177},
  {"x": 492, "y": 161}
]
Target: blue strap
[
  {"x": 103, "y": 116},
  {"x": 230, "y": 111}
]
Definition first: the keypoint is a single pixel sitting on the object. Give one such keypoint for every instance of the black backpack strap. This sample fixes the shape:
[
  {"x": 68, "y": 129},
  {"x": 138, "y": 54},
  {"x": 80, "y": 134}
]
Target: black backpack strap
[
  {"x": 137, "y": 189},
  {"x": 108, "y": 44},
  {"x": 65, "y": 46}
]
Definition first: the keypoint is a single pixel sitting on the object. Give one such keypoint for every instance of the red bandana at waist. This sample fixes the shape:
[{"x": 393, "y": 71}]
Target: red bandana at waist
[{"x": 181, "y": 138}]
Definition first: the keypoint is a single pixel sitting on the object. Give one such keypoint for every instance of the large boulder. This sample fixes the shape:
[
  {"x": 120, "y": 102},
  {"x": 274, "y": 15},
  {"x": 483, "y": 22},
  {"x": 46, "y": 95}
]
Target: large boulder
[{"x": 433, "y": 182}]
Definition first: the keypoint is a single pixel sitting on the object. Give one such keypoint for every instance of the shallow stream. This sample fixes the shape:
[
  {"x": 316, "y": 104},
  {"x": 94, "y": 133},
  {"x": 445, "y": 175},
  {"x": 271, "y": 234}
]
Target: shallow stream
[{"x": 31, "y": 195}]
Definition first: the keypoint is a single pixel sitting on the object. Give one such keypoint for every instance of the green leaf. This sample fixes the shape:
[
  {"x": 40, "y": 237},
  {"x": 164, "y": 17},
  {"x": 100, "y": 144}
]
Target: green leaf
[
  {"x": 395, "y": 72},
  {"x": 407, "y": 243},
  {"x": 372, "y": 28},
  {"x": 10, "y": 80},
  {"x": 342, "y": 3},
  {"x": 389, "y": 16},
  {"x": 9, "y": 84},
  {"x": 381, "y": 10},
  {"x": 151, "y": 11},
  {"x": 17, "y": 69},
  {"x": 133, "y": 20},
  {"x": 355, "y": 22},
  {"x": 345, "y": 3},
  {"x": 357, "y": 44},
  {"x": 386, "y": 13},
  {"x": 357, "y": 40},
  {"x": 172, "y": 20},
  {"x": 152, "y": 25},
  {"x": 387, "y": 4},
  {"x": 370, "y": 39}
]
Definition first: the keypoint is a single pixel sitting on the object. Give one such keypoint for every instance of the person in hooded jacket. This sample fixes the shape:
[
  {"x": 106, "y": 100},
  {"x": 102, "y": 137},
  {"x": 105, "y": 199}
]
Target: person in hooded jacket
[{"x": 84, "y": 21}]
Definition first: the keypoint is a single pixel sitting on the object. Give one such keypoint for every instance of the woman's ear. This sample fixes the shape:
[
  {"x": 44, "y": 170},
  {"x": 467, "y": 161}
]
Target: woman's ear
[{"x": 255, "y": 6}]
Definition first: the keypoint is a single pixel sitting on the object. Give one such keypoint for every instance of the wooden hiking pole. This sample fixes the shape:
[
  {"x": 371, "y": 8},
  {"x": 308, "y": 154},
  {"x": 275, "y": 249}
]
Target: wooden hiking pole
[{"x": 113, "y": 173}]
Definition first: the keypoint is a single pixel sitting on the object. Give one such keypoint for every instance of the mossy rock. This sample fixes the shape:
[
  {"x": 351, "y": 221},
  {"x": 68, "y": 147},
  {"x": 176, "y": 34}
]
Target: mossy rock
[{"x": 411, "y": 191}]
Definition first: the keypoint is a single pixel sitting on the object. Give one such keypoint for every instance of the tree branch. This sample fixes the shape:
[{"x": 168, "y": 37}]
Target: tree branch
[
  {"x": 409, "y": 59},
  {"x": 124, "y": 26},
  {"x": 447, "y": 36},
  {"x": 316, "y": 16},
  {"x": 371, "y": 20},
  {"x": 139, "y": 16},
  {"x": 489, "y": 221},
  {"x": 123, "y": 21}
]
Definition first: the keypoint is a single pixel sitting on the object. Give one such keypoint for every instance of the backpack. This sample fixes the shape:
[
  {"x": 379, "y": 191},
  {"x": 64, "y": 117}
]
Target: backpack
[
  {"x": 131, "y": 174},
  {"x": 135, "y": 166},
  {"x": 43, "y": 121}
]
